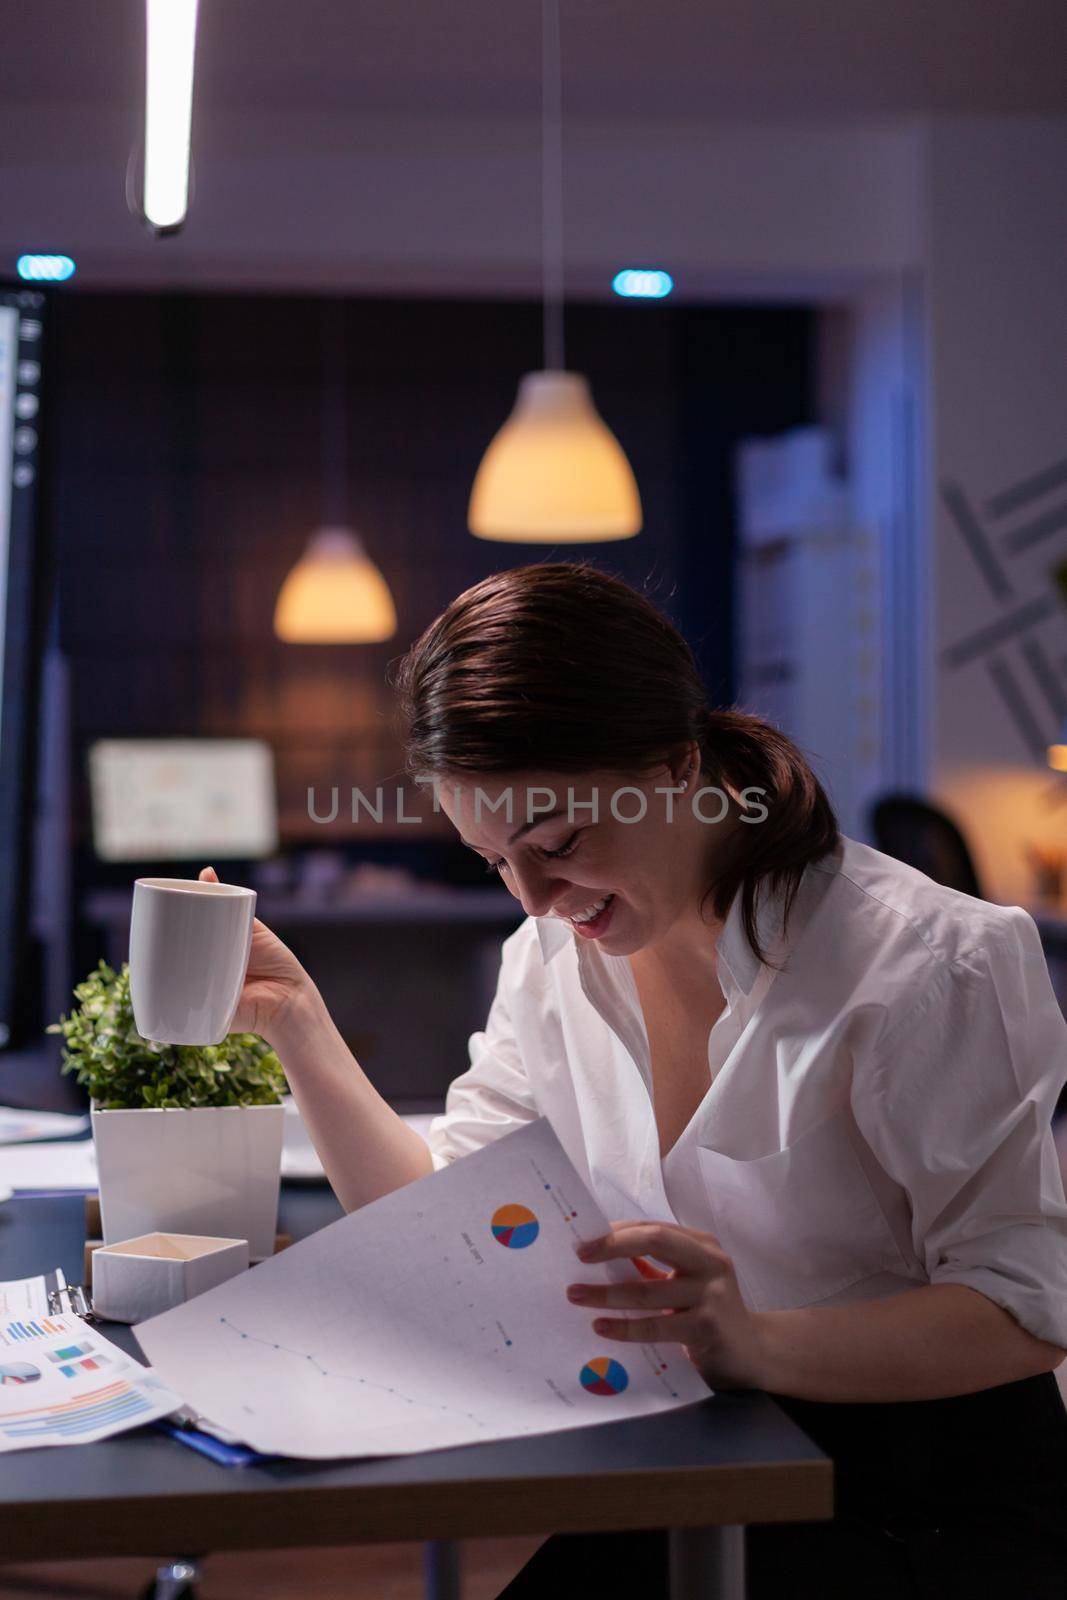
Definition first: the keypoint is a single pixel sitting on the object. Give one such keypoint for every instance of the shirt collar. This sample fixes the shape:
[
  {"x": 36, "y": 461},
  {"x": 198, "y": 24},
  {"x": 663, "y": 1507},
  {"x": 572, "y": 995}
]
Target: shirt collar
[
  {"x": 553, "y": 934},
  {"x": 732, "y": 945}
]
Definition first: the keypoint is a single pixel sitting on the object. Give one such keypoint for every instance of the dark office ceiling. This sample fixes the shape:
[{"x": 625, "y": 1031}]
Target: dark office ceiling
[{"x": 736, "y": 59}]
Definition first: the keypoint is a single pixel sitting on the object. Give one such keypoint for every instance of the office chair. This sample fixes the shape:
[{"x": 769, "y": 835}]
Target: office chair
[{"x": 913, "y": 831}]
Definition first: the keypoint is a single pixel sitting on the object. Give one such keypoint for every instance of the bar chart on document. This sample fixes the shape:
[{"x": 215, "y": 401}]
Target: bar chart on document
[
  {"x": 62, "y": 1382},
  {"x": 433, "y": 1317}
]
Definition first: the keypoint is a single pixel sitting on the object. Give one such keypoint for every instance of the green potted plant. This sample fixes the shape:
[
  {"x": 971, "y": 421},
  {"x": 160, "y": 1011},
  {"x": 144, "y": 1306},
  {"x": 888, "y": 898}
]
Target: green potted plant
[{"x": 188, "y": 1137}]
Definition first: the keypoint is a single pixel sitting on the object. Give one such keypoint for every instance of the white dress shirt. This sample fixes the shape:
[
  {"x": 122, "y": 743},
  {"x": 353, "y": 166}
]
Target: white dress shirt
[{"x": 878, "y": 1115}]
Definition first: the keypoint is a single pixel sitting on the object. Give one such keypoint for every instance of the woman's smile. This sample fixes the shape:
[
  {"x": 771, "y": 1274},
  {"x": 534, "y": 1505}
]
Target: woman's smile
[{"x": 594, "y": 926}]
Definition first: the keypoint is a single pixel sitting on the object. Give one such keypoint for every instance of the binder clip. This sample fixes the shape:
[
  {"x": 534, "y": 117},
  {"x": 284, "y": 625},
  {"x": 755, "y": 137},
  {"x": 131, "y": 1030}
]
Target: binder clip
[{"x": 77, "y": 1301}]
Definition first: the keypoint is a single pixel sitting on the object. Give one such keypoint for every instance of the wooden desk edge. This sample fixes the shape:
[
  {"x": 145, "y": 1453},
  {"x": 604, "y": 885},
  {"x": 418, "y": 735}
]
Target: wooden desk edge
[{"x": 307, "y": 1514}]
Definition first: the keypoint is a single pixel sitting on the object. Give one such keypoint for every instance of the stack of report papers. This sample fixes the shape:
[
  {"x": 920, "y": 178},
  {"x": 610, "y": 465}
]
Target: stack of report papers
[
  {"x": 16, "y": 1126},
  {"x": 61, "y": 1381},
  {"x": 28, "y": 1162},
  {"x": 55, "y": 1162}
]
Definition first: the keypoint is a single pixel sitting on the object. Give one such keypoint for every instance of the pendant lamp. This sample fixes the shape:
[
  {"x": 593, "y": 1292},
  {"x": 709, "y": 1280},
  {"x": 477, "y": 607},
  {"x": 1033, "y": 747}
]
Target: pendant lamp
[
  {"x": 555, "y": 473},
  {"x": 335, "y": 594}
]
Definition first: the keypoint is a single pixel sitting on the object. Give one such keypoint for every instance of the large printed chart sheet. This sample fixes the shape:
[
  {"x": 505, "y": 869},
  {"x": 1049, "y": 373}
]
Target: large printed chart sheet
[{"x": 435, "y": 1316}]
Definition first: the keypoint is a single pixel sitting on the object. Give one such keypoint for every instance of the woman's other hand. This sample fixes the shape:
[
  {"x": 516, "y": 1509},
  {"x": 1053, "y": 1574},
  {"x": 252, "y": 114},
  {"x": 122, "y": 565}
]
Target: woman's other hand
[
  {"x": 697, "y": 1303},
  {"x": 274, "y": 982}
]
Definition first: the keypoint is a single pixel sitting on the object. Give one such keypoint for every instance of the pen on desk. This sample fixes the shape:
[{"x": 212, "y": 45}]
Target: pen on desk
[{"x": 226, "y": 1455}]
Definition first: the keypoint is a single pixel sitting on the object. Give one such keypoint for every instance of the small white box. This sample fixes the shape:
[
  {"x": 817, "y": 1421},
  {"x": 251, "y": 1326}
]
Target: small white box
[{"x": 138, "y": 1278}]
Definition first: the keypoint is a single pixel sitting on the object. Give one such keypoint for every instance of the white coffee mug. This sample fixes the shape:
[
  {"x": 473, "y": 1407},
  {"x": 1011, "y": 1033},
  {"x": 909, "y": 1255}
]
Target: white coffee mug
[{"x": 189, "y": 949}]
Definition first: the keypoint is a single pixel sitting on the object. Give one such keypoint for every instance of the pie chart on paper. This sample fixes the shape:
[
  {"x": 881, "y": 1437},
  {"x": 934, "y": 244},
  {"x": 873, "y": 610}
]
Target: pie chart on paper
[
  {"x": 603, "y": 1375},
  {"x": 18, "y": 1372},
  {"x": 515, "y": 1227}
]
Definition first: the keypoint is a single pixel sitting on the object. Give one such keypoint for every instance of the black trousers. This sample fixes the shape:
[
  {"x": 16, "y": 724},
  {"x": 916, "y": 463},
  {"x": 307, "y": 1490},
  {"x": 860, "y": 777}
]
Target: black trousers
[{"x": 958, "y": 1499}]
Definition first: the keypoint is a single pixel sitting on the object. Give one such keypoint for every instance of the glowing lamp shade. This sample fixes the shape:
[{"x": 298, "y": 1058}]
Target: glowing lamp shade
[
  {"x": 334, "y": 595},
  {"x": 555, "y": 473},
  {"x": 1057, "y": 753}
]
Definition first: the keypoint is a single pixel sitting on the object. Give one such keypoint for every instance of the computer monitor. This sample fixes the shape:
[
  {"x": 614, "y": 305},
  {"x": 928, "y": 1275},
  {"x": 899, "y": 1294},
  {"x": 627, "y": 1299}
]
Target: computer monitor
[
  {"x": 200, "y": 800},
  {"x": 23, "y": 342}
]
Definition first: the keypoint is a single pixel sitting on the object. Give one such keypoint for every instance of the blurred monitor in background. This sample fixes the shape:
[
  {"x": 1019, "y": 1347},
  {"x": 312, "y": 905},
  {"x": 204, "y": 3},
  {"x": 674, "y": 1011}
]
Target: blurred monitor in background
[
  {"x": 23, "y": 322},
  {"x": 201, "y": 800}
]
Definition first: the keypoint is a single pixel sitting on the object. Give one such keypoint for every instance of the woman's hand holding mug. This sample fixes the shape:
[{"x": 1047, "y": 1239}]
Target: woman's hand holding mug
[{"x": 274, "y": 981}]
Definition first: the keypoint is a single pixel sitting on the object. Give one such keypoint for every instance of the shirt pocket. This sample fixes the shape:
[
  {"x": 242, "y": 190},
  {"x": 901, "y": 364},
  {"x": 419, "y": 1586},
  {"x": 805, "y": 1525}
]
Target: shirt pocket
[{"x": 799, "y": 1224}]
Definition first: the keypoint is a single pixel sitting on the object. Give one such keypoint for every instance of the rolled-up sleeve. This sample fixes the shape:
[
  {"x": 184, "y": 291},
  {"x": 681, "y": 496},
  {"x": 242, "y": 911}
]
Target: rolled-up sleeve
[
  {"x": 493, "y": 1097},
  {"x": 956, "y": 1101}
]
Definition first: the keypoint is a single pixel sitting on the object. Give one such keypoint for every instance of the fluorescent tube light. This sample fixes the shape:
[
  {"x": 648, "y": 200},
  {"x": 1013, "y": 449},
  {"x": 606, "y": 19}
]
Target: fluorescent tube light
[{"x": 170, "y": 27}]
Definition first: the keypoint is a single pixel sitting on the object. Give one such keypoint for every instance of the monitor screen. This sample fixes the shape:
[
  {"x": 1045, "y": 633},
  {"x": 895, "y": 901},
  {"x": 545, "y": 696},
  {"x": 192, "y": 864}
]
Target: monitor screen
[
  {"x": 183, "y": 799},
  {"x": 23, "y": 322}
]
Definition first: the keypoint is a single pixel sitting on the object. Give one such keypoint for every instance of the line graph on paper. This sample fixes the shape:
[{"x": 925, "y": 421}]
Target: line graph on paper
[
  {"x": 432, "y": 1317},
  {"x": 347, "y": 1377}
]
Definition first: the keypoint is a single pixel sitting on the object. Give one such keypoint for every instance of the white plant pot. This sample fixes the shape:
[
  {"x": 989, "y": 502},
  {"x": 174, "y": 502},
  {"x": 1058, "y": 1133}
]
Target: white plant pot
[{"x": 214, "y": 1170}]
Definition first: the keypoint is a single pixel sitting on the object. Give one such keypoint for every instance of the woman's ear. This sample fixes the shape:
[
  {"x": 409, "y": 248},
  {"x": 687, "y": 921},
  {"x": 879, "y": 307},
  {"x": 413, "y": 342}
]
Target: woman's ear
[{"x": 685, "y": 765}]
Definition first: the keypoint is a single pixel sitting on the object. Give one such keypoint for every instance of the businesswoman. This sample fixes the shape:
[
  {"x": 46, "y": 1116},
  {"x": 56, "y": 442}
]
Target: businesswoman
[{"x": 812, "y": 1088}]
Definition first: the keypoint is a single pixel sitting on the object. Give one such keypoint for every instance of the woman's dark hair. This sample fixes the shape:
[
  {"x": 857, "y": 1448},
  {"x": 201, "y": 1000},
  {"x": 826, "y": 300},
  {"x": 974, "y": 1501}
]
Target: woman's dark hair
[{"x": 561, "y": 667}]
